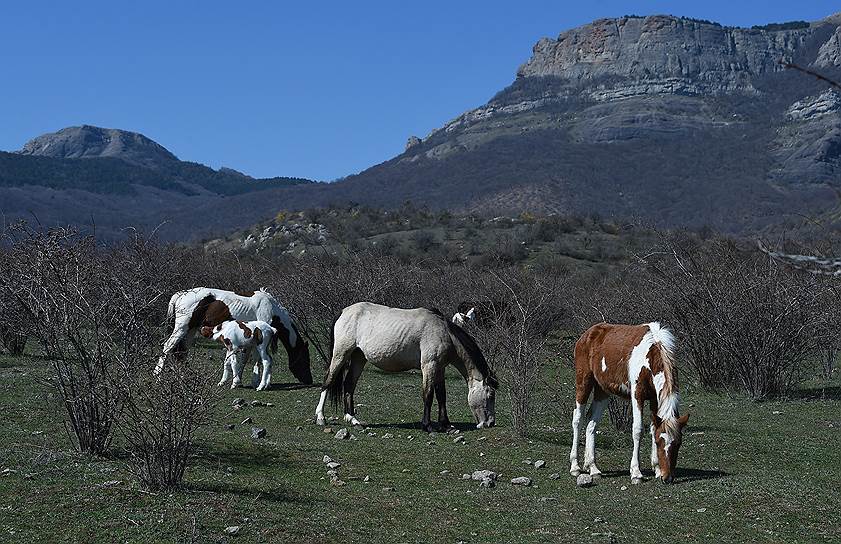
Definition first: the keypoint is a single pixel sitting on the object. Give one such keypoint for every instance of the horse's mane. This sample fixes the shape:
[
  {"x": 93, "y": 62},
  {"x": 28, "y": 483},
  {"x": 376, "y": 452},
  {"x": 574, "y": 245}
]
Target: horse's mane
[
  {"x": 669, "y": 399},
  {"x": 472, "y": 351}
]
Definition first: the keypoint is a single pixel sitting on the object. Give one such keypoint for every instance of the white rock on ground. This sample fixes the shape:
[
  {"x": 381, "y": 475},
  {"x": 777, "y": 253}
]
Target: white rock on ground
[
  {"x": 584, "y": 480},
  {"x": 521, "y": 480},
  {"x": 479, "y": 475}
]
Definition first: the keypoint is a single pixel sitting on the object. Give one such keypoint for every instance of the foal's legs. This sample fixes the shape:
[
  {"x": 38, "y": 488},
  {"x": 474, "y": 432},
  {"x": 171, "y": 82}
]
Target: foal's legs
[
  {"x": 266, "y": 361},
  {"x": 583, "y": 387},
  {"x": 226, "y": 371},
  {"x": 600, "y": 399},
  {"x": 357, "y": 363}
]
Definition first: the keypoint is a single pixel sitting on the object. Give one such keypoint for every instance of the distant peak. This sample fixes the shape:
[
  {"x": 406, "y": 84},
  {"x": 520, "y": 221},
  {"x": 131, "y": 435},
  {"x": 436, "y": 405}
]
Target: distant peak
[{"x": 88, "y": 141}]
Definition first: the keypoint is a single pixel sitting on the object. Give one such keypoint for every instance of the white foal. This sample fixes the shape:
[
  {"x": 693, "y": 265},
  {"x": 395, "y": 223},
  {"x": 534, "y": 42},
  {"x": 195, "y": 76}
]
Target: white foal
[{"x": 240, "y": 340}]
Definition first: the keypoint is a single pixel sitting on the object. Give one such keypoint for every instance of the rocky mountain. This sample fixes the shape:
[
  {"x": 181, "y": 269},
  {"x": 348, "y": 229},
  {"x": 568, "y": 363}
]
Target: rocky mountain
[
  {"x": 110, "y": 179},
  {"x": 672, "y": 120},
  {"x": 88, "y": 142}
]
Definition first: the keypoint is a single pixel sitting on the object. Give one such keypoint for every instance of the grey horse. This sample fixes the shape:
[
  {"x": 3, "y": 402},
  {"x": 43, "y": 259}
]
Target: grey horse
[{"x": 394, "y": 340}]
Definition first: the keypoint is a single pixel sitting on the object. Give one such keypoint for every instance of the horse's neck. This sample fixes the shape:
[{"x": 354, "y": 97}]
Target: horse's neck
[
  {"x": 668, "y": 399},
  {"x": 467, "y": 369}
]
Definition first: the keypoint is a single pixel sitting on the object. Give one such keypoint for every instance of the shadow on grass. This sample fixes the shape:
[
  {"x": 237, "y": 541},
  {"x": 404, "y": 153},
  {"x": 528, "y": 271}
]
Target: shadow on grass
[
  {"x": 462, "y": 426},
  {"x": 684, "y": 475},
  {"x": 291, "y": 386},
  {"x": 830, "y": 392},
  {"x": 250, "y": 492},
  {"x": 213, "y": 456}
]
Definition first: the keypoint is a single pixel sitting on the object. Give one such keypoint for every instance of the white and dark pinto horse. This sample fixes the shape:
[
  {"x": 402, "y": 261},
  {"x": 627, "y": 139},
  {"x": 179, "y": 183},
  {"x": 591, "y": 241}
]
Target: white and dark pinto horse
[
  {"x": 396, "y": 340},
  {"x": 240, "y": 340},
  {"x": 464, "y": 314},
  {"x": 636, "y": 362},
  {"x": 199, "y": 307}
]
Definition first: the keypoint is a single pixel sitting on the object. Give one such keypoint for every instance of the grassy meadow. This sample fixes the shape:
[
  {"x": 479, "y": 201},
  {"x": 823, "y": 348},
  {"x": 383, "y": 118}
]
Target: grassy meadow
[{"x": 766, "y": 472}]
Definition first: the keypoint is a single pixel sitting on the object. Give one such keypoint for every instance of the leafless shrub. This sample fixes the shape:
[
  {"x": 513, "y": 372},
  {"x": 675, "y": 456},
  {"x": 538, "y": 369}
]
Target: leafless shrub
[
  {"x": 745, "y": 322},
  {"x": 518, "y": 312},
  {"x": 97, "y": 312},
  {"x": 161, "y": 415}
]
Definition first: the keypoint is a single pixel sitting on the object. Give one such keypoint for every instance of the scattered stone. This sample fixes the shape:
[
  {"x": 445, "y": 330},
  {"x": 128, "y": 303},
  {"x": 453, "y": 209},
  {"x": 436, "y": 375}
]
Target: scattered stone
[
  {"x": 7, "y": 471},
  {"x": 598, "y": 520},
  {"x": 238, "y": 402},
  {"x": 258, "y": 432},
  {"x": 776, "y": 412},
  {"x": 332, "y": 465},
  {"x": 366, "y": 479},
  {"x": 299, "y": 428},
  {"x": 487, "y": 482},
  {"x": 458, "y": 439},
  {"x": 623, "y": 488},
  {"x": 337, "y": 482},
  {"x": 326, "y": 459},
  {"x": 540, "y": 463},
  {"x": 256, "y": 403},
  {"x": 463, "y": 476},
  {"x": 233, "y": 530},
  {"x": 328, "y": 430},
  {"x": 527, "y": 462},
  {"x": 246, "y": 421},
  {"x": 444, "y": 472},
  {"x": 521, "y": 480},
  {"x": 554, "y": 476},
  {"x": 342, "y": 434},
  {"x": 388, "y": 489},
  {"x": 547, "y": 499},
  {"x": 701, "y": 510},
  {"x": 269, "y": 404},
  {"x": 332, "y": 473},
  {"x": 353, "y": 437},
  {"x": 480, "y": 475},
  {"x": 230, "y": 426},
  {"x": 482, "y": 438},
  {"x": 405, "y": 470},
  {"x": 110, "y": 483},
  {"x": 584, "y": 480},
  {"x": 388, "y": 435}
]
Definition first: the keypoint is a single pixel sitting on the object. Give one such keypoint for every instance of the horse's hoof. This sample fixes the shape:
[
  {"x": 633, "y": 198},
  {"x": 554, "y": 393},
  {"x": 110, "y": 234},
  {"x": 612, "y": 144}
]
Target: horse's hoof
[
  {"x": 319, "y": 421},
  {"x": 636, "y": 481},
  {"x": 596, "y": 475},
  {"x": 426, "y": 428},
  {"x": 575, "y": 472}
]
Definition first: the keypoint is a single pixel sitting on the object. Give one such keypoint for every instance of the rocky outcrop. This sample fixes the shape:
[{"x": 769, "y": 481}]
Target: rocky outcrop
[{"x": 90, "y": 142}]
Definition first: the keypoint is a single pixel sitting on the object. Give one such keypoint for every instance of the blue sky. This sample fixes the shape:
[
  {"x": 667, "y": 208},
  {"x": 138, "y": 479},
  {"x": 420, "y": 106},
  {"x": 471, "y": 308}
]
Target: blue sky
[{"x": 320, "y": 90}]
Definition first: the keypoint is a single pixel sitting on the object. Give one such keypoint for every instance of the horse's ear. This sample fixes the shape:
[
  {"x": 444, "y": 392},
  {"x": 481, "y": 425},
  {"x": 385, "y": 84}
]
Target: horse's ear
[
  {"x": 682, "y": 420},
  {"x": 657, "y": 421}
]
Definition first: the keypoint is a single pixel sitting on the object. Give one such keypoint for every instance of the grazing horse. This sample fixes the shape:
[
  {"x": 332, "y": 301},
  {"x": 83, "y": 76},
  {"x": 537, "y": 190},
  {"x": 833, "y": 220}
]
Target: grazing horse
[
  {"x": 240, "y": 340},
  {"x": 199, "y": 307},
  {"x": 395, "y": 340},
  {"x": 636, "y": 362}
]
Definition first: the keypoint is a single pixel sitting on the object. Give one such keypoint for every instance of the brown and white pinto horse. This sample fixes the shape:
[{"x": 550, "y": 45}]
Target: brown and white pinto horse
[
  {"x": 199, "y": 307},
  {"x": 636, "y": 362}
]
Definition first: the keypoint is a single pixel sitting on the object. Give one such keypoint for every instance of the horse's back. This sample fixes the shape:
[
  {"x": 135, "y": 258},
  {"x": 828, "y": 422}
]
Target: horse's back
[
  {"x": 608, "y": 342},
  {"x": 390, "y": 338}
]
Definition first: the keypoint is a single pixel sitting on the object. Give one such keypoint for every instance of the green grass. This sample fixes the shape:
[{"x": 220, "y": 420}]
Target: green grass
[{"x": 746, "y": 474}]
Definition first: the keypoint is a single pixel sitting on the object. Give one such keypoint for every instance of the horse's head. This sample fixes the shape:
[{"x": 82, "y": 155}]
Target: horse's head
[
  {"x": 481, "y": 397},
  {"x": 299, "y": 361},
  {"x": 668, "y": 435}
]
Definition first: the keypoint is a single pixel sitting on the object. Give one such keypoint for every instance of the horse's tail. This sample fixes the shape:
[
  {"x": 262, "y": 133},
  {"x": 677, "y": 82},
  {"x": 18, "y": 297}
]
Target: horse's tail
[{"x": 335, "y": 388}]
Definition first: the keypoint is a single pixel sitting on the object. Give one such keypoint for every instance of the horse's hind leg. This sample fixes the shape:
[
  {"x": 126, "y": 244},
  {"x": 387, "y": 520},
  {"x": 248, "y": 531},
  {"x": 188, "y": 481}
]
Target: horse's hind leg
[
  {"x": 600, "y": 400},
  {"x": 428, "y": 371},
  {"x": 441, "y": 398},
  {"x": 337, "y": 366},
  {"x": 357, "y": 363}
]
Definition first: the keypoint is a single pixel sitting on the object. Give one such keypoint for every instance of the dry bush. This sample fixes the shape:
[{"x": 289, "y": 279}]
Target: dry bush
[
  {"x": 518, "y": 310},
  {"x": 98, "y": 311},
  {"x": 745, "y": 322}
]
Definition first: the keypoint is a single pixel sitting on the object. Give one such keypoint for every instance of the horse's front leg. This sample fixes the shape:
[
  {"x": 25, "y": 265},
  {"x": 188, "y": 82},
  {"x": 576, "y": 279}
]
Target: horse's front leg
[{"x": 636, "y": 409}]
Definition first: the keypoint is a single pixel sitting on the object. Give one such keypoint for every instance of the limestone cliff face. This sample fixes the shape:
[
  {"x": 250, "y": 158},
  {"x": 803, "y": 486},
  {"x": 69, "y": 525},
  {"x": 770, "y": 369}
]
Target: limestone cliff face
[{"x": 701, "y": 122}]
